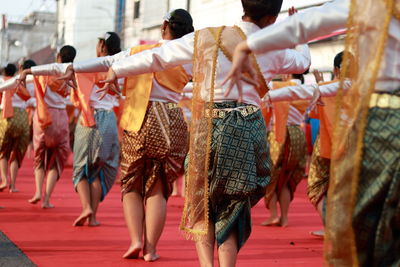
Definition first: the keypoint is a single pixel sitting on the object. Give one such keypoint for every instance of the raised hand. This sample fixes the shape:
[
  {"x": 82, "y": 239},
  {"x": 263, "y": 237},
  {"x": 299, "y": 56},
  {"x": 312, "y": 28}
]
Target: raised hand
[
  {"x": 110, "y": 84},
  {"x": 240, "y": 66},
  {"x": 69, "y": 77},
  {"x": 266, "y": 102},
  {"x": 21, "y": 80},
  {"x": 316, "y": 100},
  {"x": 318, "y": 76},
  {"x": 292, "y": 11}
]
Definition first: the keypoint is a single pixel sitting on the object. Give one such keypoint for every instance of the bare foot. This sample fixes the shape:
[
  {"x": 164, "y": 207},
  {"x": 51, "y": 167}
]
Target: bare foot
[
  {"x": 14, "y": 190},
  {"x": 93, "y": 223},
  {"x": 133, "y": 251},
  {"x": 83, "y": 217},
  {"x": 283, "y": 222},
  {"x": 272, "y": 221},
  {"x": 320, "y": 233},
  {"x": 151, "y": 257},
  {"x": 47, "y": 205},
  {"x": 34, "y": 200},
  {"x": 3, "y": 186}
]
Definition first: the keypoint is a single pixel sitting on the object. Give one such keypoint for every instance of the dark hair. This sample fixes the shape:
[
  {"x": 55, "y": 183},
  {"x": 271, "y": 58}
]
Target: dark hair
[
  {"x": 67, "y": 54},
  {"x": 180, "y": 23},
  {"x": 112, "y": 43},
  {"x": 10, "y": 70},
  {"x": 298, "y": 77},
  {"x": 337, "y": 62},
  {"x": 28, "y": 64},
  {"x": 257, "y": 9}
]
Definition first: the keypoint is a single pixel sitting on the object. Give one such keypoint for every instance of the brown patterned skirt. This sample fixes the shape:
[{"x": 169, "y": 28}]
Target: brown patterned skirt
[
  {"x": 14, "y": 136},
  {"x": 318, "y": 176},
  {"x": 289, "y": 161},
  {"x": 156, "y": 151}
]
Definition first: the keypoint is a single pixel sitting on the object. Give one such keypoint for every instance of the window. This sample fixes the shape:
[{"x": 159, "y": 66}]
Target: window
[{"x": 136, "y": 9}]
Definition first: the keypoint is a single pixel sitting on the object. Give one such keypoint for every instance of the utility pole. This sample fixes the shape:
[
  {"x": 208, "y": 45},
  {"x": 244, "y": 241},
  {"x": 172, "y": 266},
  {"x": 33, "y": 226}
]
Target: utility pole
[{"x": 4, "y": 41}]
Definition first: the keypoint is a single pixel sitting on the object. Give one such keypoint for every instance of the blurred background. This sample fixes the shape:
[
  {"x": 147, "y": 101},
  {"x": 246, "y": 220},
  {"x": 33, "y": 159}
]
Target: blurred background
[{"x": 36, "y": 28}]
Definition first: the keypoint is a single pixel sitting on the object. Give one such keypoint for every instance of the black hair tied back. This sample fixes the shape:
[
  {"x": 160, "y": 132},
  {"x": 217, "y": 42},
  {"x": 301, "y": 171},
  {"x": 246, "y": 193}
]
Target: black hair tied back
[{"x": 180, "y": 23}]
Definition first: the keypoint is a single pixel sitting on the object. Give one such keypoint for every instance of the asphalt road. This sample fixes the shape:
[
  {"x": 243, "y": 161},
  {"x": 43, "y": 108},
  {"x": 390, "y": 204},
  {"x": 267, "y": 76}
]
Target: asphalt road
[{"x": 11, "y": 255}]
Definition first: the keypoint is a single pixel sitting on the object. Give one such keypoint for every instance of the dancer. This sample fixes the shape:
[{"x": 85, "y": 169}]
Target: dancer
[
  {"x": 288, "y": 152},
  {"x": 318, "y": 177},
  {"x": 228, "y": 134},
  {"x": 363, "y": 197},
  {"x": 50, "y": 128},
  {"x": 14, "y": 129},
  {"x": 30, "y": 104},
  {"x": 96, "y": 146},
  {"x": 154, "y": 141}
]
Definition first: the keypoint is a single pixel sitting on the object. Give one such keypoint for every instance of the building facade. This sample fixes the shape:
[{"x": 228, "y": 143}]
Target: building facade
[
  {"x": 35, "y": 34},
  {"x": 81, "y": 23}
]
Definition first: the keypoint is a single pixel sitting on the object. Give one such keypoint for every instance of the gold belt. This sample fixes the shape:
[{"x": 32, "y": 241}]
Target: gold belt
[
  {"x": 384, "y": 101},
  {"x": 171, "y": 105},
  {"x": 223, "y": 112}
]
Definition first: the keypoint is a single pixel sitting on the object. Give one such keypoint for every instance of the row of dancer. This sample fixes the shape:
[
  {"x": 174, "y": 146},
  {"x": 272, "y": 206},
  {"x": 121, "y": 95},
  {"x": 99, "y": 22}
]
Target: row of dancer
[
  {"x": 228, "y": 153},
  {"x": 155, "y": 141},
  {"x": 362, "y": 223}
]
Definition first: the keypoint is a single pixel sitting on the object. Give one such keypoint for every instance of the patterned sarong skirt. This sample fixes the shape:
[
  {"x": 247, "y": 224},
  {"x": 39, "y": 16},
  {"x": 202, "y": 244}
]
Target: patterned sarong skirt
[
  {"x": 376, "y": 218},
  {"x": 14, "y": 136},
  {"x": 289, "y": 161},
  {"x": 51, "y": 144},
  {"x": 156, "y": 152},
  {"x": 318, "y": 176},
  {"x": 96, "y": 151},
  {"x": 240, "y": 169}
]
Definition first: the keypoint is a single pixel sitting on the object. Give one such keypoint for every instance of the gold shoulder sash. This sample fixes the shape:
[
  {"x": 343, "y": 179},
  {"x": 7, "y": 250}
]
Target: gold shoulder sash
[
  {"x": 195, "y": 213},
  {"x": 137, "y": 90},
  {"x": 231, "y": 37},
  {"x": 367, "y": 34}
]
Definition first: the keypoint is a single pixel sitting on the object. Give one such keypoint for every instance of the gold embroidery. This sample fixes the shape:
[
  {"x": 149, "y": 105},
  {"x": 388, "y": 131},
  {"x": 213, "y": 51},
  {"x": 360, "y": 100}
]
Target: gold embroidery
[{"x": 366, "y": 32}]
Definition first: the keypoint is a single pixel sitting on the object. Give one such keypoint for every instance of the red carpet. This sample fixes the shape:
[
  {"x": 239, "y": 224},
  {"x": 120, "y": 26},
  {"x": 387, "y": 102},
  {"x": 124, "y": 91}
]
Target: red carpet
[{"x": 48, "y": 239}]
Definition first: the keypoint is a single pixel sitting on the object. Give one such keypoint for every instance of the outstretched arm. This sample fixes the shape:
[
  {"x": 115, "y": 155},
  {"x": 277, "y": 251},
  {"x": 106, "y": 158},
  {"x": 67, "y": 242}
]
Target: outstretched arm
[
  {"x": 99, "y": 64},
  {"x": 9, "y": 84},
  {"x": 305, "y": 92},
  {"x": 171, "y": 54},
  {"x": 297, "y": 29},
  {"x": 301, "y": 27},
  {"x": 54, "y": 69}
]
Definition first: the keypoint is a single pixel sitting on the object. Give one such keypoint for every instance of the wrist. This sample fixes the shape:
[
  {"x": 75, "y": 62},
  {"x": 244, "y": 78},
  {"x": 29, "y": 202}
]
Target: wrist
[{"x": 243, "y": 47}]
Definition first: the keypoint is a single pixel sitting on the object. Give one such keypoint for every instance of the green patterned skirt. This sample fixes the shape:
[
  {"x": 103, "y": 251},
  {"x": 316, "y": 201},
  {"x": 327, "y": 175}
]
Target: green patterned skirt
[
  {"x": 376, "y": 218},
  {"x": 96, "y": 151},
  {"x": 240, "y": 170}
]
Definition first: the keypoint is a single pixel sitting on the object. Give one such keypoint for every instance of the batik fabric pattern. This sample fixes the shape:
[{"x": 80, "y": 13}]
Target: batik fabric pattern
[
  {"x": 14, "y": 136},
  {"x": 376, "y": 217},
  {"x": 51, "y": 144},
  {"x": 289, "y": 161},
  {"x": 156, "y": 152},
  {"x": 96, "y": 151},
  {"x": 318, "y": 175},
  {"x": 240, "y": 169}
]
